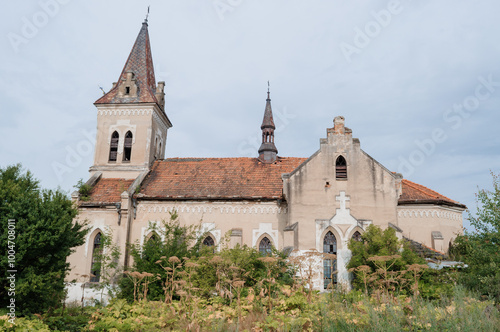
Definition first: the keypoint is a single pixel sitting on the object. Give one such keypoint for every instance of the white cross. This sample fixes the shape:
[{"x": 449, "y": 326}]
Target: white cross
[{"x": 342, "y": 199}]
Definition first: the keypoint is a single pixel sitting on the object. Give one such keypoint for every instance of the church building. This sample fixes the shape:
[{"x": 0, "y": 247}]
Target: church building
[{"x": 290, "y": 203}]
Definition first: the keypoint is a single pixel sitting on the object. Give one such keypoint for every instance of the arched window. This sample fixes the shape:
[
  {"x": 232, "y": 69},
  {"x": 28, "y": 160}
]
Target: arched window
[
  {"x": 152, "y": 240},
  {"x": 329, "y": 265},
  {"x": 209, "y": 241},
  {"x": 265, "y": 246},
  {"x": 356, "y": 236},
  {"x": 96, "y": 265},
  {"x": 341, "y": 168},
  {"x": 127, "y": 147},
  {"x": 113, "y": 150}
]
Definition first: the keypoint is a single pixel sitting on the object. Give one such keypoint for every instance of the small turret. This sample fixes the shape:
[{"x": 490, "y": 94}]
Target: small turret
[{"x": 267, "y": 150}]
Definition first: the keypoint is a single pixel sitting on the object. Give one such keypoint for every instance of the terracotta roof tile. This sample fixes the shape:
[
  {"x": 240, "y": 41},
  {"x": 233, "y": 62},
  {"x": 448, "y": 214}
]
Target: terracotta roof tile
[
  {"x": 414, "y": 193},
  {"x": 108, "y": 190},
  {"x": 217, "y": 178}
]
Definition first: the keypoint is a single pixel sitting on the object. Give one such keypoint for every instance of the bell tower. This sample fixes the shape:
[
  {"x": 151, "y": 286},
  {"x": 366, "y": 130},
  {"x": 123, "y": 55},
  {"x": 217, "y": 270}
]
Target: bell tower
[{"x": 131, "y": 121}]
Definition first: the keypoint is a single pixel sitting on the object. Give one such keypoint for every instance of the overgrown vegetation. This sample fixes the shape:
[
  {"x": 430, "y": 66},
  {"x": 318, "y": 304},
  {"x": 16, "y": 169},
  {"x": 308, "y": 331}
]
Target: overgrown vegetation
[
  {"x": 42, "y": 236},
  {"x": 84, "y": 190},
  {"x": 480, "y": 248}
]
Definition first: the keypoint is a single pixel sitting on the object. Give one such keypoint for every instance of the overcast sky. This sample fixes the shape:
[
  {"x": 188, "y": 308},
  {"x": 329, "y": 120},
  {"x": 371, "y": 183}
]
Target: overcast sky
[{"x": 418, "y": 82}]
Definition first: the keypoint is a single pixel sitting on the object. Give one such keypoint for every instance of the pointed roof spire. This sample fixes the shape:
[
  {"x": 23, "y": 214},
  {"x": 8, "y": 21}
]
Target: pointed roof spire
[
  {"x": 267, "y": 151},
  {"x": 268, "y": 121},
  {"x": 137, "y": 83}
]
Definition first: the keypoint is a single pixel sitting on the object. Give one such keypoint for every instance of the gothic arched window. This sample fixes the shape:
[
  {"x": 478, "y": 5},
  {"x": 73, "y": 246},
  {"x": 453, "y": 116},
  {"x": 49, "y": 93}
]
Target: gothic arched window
[
  {"x": 113, "y": 150},
  {"x": 127, "y": 147},
  {"x": 95, "y": 268},
  {"x": 356, "y": 236},
  {"x": 265, "y": 246},
  {"x": 209, "y": 241},
  {"x": 340, "y": 168},
  {"x": 329, "y": 265}
]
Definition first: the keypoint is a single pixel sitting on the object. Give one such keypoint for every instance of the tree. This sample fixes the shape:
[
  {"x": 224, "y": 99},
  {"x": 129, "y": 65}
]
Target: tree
[
  {"x": 380, "y": 251},
  {"x": 38, "y": 229},
  {"x": 171, "y": 239},
  {"x": 480, "y": 248}
]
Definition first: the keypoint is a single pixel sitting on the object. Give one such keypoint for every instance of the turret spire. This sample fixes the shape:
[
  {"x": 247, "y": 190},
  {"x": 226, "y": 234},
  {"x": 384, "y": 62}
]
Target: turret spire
[{"x": 267, "y": 150}]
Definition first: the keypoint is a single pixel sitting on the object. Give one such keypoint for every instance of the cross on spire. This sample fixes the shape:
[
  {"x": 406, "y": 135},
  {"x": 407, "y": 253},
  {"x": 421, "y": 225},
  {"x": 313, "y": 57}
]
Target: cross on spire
[{"x": 342, "y": 198}]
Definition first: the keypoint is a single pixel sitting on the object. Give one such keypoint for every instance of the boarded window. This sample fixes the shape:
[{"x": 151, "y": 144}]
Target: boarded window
[
  {"x": 341, "y": 168},
  {"x": 329, "y": 265},
  {"x": 127, "y": 147},
  {"x": 113, "y": 150},
  {"x": 95, "y": 269},
  {"x": 265, "y": 246}
]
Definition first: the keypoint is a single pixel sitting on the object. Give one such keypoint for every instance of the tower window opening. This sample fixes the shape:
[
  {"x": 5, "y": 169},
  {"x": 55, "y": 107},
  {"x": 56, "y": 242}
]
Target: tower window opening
[
  {"x": 127, "y": 90},
  {"x": 127, "y": 147},
  {"x": 113, "y": 150},
  {"x": 341, "y": 168}
]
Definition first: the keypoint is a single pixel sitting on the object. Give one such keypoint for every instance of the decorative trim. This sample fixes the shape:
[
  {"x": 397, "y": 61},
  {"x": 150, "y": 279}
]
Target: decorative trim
[
  {"x": 155, "y": 208},
  {"x": 424, "y": 213},
  {"x": 121, "y": 112}
]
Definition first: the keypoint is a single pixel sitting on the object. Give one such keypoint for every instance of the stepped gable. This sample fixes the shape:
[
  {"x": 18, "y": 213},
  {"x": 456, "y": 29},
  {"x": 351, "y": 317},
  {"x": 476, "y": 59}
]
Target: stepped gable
[
  {"x": 217, "y": 178},
  {"x": 414, "y": 193}
]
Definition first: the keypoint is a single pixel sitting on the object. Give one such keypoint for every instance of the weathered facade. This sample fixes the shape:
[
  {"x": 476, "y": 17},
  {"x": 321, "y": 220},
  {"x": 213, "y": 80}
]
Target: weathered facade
[{"x": 319, "y": 202}]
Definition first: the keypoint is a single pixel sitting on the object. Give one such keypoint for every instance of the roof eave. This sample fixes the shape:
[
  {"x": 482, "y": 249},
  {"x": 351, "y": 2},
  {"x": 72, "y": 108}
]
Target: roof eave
[{"x": 430, "y": 201}]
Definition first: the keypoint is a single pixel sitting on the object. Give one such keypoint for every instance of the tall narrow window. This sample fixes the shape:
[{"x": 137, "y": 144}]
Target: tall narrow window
[
  {"x": 341, "y": 168},
  {"x": 113, "y": 150},
  {"x": 95, "y": 269},
  {"x": 356, "y": 236},
  {"x": 265, "y": 246},
  {"x": 329, "y": 265},
  {"x": 127, "y": 147}
]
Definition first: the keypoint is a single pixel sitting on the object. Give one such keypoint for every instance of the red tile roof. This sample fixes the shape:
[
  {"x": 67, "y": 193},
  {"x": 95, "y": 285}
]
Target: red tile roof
[
  {"x": 217, "y": 178},
  {"x": 108, "y": 191},
  {"x": 414, "y": 193}
]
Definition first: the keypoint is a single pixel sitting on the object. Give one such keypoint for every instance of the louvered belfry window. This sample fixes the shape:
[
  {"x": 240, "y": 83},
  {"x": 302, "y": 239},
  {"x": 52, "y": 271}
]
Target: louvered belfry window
[
  {"x": 127, "y": 147},
  {"x": 113, "y": 150},
  {"x": 340, "y": 168}
]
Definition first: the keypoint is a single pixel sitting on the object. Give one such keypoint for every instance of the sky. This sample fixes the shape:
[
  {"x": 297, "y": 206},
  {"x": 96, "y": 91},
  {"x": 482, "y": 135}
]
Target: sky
[{"x": 418, "y": 82}]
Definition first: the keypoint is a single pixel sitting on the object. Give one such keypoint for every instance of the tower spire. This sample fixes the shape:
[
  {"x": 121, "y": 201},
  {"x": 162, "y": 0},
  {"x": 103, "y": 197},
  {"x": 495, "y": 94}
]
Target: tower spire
[
  {"x": 267, "y": 150},
  {"x": 137, "y": 82}
]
